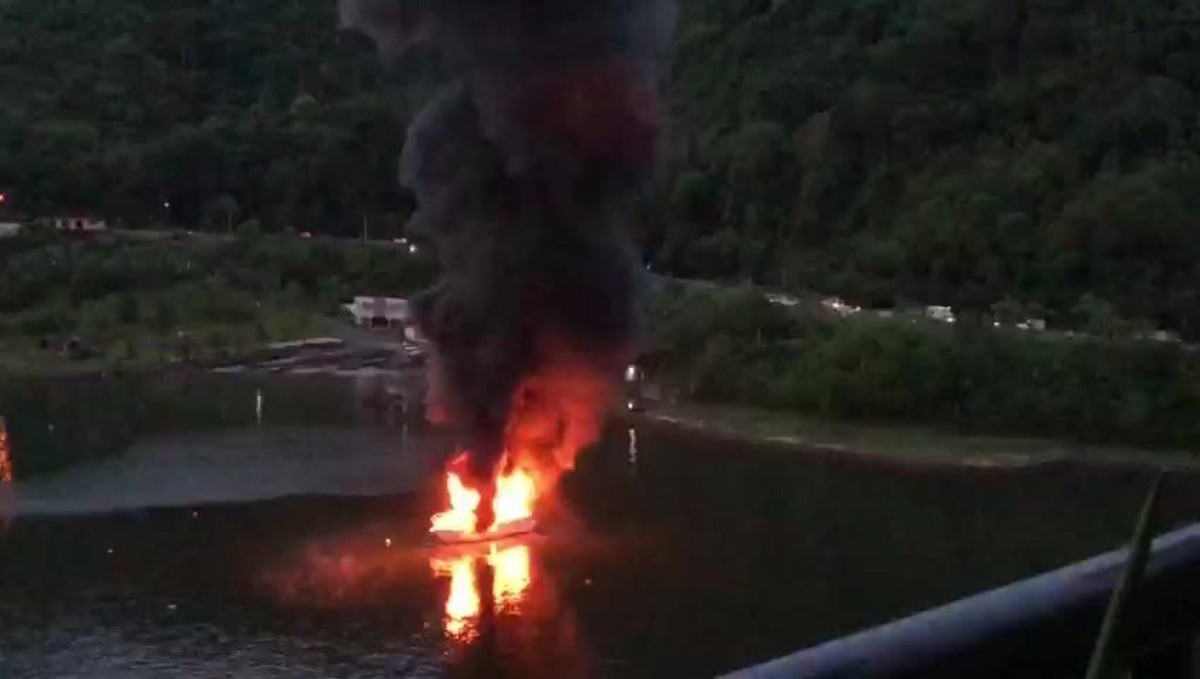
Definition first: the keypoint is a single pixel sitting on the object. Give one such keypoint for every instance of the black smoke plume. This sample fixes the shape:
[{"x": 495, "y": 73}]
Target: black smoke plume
[{"x": 525, "y": 167}]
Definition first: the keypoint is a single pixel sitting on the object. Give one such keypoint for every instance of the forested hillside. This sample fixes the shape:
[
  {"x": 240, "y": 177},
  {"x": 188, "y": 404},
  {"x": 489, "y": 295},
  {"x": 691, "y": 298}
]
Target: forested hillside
[
  {"x": 943, "y": 151},
  {"x": 952, "y": 151},
  {"x": 191, "y": 112}
]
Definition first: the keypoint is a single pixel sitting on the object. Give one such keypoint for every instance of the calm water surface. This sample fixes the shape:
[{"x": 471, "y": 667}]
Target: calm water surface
[{"x": 274, "y": 527}]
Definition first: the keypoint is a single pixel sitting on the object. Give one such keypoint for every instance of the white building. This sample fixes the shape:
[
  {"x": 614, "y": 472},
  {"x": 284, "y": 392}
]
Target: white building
[
  {"x": 77, "y": 224},
  {"x": 380, "y": 312},
  {"x": 1038, "y": 324},
  {"x": 940, "y": 313}
]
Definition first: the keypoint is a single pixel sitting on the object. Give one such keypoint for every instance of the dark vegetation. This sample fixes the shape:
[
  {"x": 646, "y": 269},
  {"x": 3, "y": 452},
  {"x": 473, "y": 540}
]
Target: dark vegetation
[
  {"x": 735, "y": 346},
  {"x": 146, "y": 298},
  {"x": 166, "y": 113},
  {"x": 1038, "y": 154},
  {"x": 942, "y": 151}
]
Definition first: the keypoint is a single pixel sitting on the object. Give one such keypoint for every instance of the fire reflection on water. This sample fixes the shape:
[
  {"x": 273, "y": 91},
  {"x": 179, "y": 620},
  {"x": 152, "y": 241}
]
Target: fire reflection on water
[
  {"x": 6, "y": 476},
  {"x": 6, "y": 472},
  {"x": 492, "y": 606},
  {"x": 462, "y": 602},
  {"x": 512, "y": 575},
  {"x": 511, "y": 580}
]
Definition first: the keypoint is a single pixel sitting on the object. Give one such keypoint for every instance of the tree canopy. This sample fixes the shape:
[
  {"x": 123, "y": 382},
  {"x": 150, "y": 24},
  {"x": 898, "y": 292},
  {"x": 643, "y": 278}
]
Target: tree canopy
[
  {"x": 945, "y": 151},
  {"x": 180, "y": 112},
  {"x": 937, "y": 150}
]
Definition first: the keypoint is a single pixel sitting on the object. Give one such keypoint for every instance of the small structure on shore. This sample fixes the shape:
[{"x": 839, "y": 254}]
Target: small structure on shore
[
  {"x": 78, "y": 224},
  {"x": 380, "y": 312}
]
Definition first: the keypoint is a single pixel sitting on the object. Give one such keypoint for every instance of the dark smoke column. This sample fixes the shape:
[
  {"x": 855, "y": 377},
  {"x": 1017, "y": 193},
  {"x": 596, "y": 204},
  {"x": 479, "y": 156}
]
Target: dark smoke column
[{"x": 525, "y": 167}]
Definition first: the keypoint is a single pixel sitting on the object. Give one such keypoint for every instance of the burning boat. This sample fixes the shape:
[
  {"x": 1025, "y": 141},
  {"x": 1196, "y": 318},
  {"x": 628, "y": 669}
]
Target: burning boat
[
  {"x": 526, "y": 167},
  {"x": 512, "y": 509}
]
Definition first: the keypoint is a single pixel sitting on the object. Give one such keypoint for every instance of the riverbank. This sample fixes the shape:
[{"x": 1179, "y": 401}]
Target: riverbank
[
  {"x": 898, "y": 444},
  {"x": 115, "y": 303},
  {"x": 736, "y": 347},
  {"x": 26, "y": 361}
]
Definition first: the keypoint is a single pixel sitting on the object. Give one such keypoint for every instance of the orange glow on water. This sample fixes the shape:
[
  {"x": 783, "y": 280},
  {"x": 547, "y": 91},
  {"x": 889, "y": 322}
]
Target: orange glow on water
[
  {"x": 511, "y": 579},
  {"x": 512, "y": 574},
  {"x": 463, "y": 601},
  {"x": 6, "y": 471},
  {"x": 494, "y": 608}
]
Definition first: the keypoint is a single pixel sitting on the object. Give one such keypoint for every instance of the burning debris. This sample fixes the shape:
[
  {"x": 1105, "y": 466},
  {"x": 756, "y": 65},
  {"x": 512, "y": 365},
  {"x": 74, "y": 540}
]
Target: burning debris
[{"x": 525, "y": 167}]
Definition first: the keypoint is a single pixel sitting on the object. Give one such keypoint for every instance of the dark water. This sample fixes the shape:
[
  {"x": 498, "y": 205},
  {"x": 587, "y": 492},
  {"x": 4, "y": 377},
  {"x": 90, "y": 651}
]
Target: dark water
[{"x": 162, "y": 535}]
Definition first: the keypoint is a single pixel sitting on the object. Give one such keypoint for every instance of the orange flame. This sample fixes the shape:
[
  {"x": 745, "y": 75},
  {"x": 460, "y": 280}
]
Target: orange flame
[
  {"x": 555, "y": 412},
  {"x": 514, "y": 498},
  {"x": 460, "y": 518},
  {"x": 513, "y": 502}
]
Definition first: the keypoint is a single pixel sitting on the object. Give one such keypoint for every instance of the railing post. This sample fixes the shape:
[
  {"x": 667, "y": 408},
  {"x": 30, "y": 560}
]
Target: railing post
[{"x": 1173, "y": 659}]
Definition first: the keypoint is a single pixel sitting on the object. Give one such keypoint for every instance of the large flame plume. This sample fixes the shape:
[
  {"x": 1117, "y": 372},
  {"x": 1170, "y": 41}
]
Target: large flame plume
[
  {"x": 512, "y": 506},
  {"x": 553, "y": 415},
  {"x": 526, "y": 166}
]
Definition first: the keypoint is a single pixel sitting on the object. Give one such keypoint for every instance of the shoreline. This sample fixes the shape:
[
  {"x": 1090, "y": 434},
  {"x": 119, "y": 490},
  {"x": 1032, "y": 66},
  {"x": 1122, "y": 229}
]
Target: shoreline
[
  {"x": 721, "y": 422},
  {"x": 267, "y": 358},
  {"x": 901, "y": 446}
]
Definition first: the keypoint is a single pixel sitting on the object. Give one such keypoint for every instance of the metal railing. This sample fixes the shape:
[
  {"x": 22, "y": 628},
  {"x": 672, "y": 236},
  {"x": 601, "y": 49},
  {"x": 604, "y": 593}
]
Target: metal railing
[{"x": 1041, "y": 627}]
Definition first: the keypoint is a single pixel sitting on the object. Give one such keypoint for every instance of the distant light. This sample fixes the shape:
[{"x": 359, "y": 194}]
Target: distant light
[
  {"x": 412, "y": 249},
  {"x": 167, "y": 204},
  {"x": 387, "y": 541},
  {"x": 629, "y": 405},
  {"x": 3, "y": 197}
]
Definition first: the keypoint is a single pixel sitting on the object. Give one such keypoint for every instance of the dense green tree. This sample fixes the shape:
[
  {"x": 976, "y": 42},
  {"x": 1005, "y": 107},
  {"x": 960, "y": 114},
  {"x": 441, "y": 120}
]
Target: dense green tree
[
  {"x": 949, "y": 152},
  {"x": 940, "y": 151},
  {"x": 734, "y": 346},
  {"x": 156, "y": 113}
]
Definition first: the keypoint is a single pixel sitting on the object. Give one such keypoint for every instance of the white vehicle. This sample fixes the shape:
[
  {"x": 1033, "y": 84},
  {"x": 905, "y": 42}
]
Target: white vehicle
[
  {"x": 837, "y": 306},
  {"x": 782, "y": 300},
  {"x": 940, "y": 313}
]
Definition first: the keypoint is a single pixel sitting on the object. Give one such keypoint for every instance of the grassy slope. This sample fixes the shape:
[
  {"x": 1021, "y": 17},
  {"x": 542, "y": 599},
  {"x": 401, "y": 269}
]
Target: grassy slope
[{"x": 909, "y": 442}]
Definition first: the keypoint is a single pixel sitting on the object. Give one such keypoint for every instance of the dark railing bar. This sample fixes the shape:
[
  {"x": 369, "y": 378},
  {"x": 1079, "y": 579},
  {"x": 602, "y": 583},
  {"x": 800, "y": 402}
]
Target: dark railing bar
[{"x": 1031, "y": 628}]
